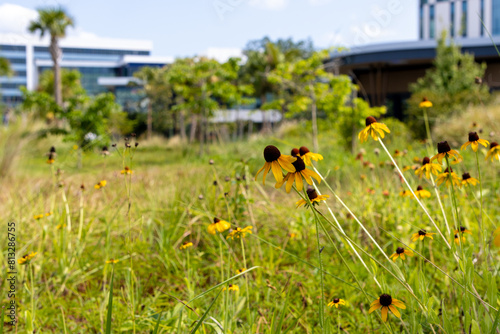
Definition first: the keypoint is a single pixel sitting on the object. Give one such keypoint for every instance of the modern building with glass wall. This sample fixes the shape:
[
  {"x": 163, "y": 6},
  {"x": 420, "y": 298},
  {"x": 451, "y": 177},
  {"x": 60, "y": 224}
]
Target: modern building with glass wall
[
  {"x": 460, "y": 18},
  {"x": 105, "y": 64}
]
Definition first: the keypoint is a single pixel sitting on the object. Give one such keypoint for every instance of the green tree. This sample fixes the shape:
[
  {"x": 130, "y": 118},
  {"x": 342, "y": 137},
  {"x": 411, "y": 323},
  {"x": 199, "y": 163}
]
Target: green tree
[
  {"x": 204, "y": 85},
  {"x": 5, "y": 68},
  {"x": 70, "y": 79},
  {"x": 158, "y": 91},
  {"x": 309, "y": 87},
  {"x": 262, "y": 57},
  {"x": 53, "y": 21},
  {"x": 451, "y": 84}
]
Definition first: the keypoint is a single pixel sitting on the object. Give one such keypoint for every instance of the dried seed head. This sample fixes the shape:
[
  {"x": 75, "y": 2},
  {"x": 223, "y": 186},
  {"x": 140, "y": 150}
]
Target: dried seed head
[
  {"x": 385, "y": 299},
  {"x": 114, "y": 145},
  {"x": 303, "y": 150},
  {"x": 478, "y": 80},
  {"x": 295, "y": 152},
  {"x": 127, "y": 144},
  {"x": 211, "y": 162},
  {"x": 370, "y": 120},
  {"x": 473, "y": 136},
  {"x": 82, "y": 186},
  {"x": 132, "y": 134},
  {"x": 200, "y": 197},
  {"x": 227, "y": 179},
  {"x": 136, "y": 144},
  {"x": 271, "y": 153},
  {"x": 443, "y": 147}
]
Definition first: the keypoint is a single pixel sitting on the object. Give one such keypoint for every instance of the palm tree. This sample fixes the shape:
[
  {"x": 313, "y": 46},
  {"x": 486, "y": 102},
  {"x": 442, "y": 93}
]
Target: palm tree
[{"x": 53, "y": 21}]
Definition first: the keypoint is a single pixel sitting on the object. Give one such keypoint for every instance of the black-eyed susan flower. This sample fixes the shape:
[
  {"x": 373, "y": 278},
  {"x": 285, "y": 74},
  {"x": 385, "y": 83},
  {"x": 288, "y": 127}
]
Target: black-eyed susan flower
[
  {"x": 60, "y": 226},
  {"x": 398, "y": 153},
  {"x": 421, "y": 235},
  {"x": 474, "y": 142},
  {"x": 445, "y": 177},
  {"x": 51, "y": 156},
  {"x": 232, "y": 287},
  {"x": 444, "y": 151},
  {"x": 313, "y": 197},
  {"x": 186, "y": 244},
  {"x": 463, "y": 230},
  {"x": 274, "y": 162},
  {"x": 126, "y": 170},
  {"x": 493, "y": 152},
  {"x": 38, "y": 217},
  {"x": 112, "y": 261},
  {"x": 241, "y": 270},
  {"x": 239, "y": 232},
  {"x": 405, "y": 193},
  {"x": 307, "y": 155},
  {"x": 457, "y": 239},
  {"x": 26, "y": 259},
  {"x": 401, "y": 253},
  {"x": 374, "y": 129},
  {"x": 292, "y": 235},
  {"x": 336, "y": 302},
  {"x": 422, "y": 193},
  {"x": 100, "y": 184},
  {"x": 427, "y": 168},
  {"x": 218, "y": 226},
  {"x": 425, "y": 103},
  {"x": 300, "y": 171},
  {"x": 468, "y": 180},
  {"x": 386, "y": 302}
]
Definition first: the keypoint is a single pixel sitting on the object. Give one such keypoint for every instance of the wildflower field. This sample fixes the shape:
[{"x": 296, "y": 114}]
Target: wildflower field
[{"x": 400, "y": 236}]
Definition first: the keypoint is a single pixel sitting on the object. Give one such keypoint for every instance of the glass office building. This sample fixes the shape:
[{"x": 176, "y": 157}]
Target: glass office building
[
  {"x": 110, "y": 60},
  {"x": 460, "y": 18}
]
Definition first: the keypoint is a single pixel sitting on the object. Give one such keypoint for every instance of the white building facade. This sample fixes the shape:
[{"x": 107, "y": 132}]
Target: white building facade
[{"x": 460, "y": 18}]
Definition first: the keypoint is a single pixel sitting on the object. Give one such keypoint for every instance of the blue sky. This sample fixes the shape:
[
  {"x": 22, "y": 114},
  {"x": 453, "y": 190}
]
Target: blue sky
[{"x": 188, "y": 27}]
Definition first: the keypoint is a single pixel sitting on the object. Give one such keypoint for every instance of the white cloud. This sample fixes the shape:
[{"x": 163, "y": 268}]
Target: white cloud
[
  {"x": 15, "y": 18},
  {"x": 269, "y": 4},
  {"x": 319, "y": 2},
  {"x": 222, "y": 54}
]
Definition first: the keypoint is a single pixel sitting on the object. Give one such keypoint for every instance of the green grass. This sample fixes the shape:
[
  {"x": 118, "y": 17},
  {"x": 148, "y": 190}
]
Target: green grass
[{"x": 157, "y": 287}]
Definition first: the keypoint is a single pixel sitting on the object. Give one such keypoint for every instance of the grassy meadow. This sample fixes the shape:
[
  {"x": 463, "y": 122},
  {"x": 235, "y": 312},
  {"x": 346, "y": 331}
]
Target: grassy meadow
[{"x": 110, "y": 256}]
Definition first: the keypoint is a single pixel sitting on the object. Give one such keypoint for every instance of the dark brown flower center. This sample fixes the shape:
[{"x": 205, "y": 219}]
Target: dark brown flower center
[
  {"x": 370, "y": 120},
  {"x": 443, "y": 147},
  {"x": 426, "y": 161},
  {"x": 462, "y": 229},
  {"x": 420, "y": 188},
  {"x": 271, "y": 153},
  {"x": 422, "y": 232},
  {"x": 303, "y": 150},
  {"x": 448, "y": 170},
  {"x": 465, "y": 176},
  {"x": 456, "y": 236},
  {"x": 385, "y": 300},
  {"x": 52, "y": 149},
  {"x": 311, "y": 193},
  {"x": 473, "y": 136},
  {"x": 216, "y": 220},
  {"x": 299, "y": 165},
  {"x": 424, "y": 99},
  {"x": 400, "y": 250},
  {"x": 493, "y": 144},
  {"x": 295, "y": 152},
  {"x": 336, "y": 300}
]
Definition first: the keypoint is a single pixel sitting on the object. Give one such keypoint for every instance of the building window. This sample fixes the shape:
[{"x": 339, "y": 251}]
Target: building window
[
  {"x": 496, "y": 17},
  {"x": 452, "y": 19},
  {"x": 421, "y": 21},
  {"x": 482, "y": 18},
  {"x": 431, "y": 22},
  {"x": 464, "y": 18}
]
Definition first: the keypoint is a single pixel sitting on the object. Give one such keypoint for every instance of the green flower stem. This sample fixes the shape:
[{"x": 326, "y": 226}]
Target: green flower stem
[
  {"x": 341, "y": 229},
  {"x": 355, "y": 218},
  {"x": 428, "y": 130},
  {"x": 414, "y": 195},
  {"x": 246, "y": 280},
  {"x": 481, "y": 225},
  {"x": 441, "y": 206}
]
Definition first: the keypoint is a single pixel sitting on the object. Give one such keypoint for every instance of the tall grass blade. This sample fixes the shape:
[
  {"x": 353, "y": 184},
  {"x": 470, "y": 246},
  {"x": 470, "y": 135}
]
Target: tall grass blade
[
  {"x": 205, "y": 314},
  {"x": 110, "y": 304}
]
